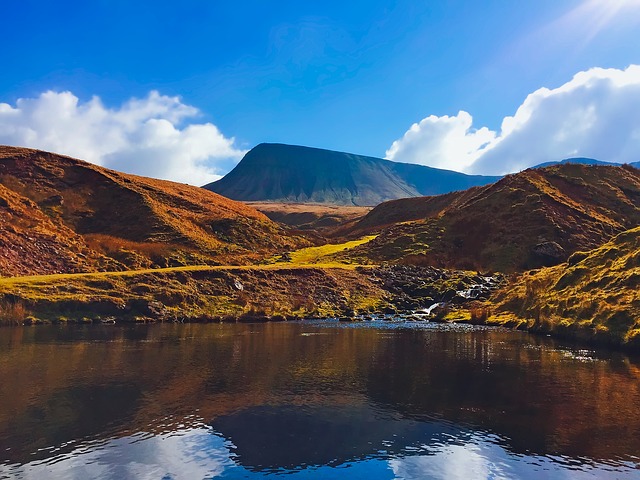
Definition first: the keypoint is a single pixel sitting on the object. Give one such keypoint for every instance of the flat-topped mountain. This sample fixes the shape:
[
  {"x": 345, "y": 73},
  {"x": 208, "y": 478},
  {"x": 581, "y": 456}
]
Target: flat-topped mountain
[
  {"x": 60, "y": 214},
  {"x": 289, "y": 173},
  {"x": 534, "y": 218}
]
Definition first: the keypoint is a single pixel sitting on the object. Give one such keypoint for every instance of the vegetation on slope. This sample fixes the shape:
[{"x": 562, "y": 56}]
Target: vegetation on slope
[
  {"x": 527, "y": 220},
  {"x": 325, "y": 254},
  {"x": 220, "y": 293},
  {"x": 31, "y": 242},
  {"x": 307, "y": 282},
  {"x": 594, "y": 296},
  {"x": 190, "y": 293},
  {"x": 137, "y": 222}
]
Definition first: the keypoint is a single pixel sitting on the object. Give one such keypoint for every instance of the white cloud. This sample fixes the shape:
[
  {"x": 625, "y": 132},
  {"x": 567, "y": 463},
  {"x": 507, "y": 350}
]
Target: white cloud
[
  {"x": 442, "y": 142},
  {"x": 593, "y": 115},
  {"x": 145, "y": 136}
]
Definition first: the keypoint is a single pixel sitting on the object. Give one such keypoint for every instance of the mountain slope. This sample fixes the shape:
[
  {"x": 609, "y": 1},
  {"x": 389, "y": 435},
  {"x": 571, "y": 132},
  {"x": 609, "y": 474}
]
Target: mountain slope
[
  {"x": 288, "y": 173},
  {"x": 534, "y": 218},
  {"x": 593, "y": 296},
  {"x": 136, "y": 221}
]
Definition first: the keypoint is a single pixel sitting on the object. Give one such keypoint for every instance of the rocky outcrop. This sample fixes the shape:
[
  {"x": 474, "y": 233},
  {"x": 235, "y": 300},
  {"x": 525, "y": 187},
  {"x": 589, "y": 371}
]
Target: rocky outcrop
[
  {"x": 549, "y": 253},
  {"x": 419, "y": 288}
]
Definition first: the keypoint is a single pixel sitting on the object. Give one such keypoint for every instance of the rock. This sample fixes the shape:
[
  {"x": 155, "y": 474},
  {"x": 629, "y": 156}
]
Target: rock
[
  {"x": 549, "y": 253},
  {"x": 52, "y": 201},
  {"x": 31, "y": 320}
]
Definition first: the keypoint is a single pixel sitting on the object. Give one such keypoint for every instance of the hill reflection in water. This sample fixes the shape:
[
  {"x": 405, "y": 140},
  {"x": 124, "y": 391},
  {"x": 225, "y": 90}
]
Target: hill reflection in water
[{"x": 311, "y": 399}]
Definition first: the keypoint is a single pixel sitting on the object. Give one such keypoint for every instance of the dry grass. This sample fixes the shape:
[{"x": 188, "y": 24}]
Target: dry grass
[
  {"x": 197, "y": 293},
  {"x": 111, "y": 245},
  {"x": 305, "y": 216},
  {"x": 594, "y": 296},
  {"x": 12, "y": 312}
]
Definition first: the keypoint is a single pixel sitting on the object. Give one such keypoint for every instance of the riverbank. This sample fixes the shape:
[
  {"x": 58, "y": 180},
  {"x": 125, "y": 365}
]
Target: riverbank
[
  {"x": 257, "y": 293},
  {"x": 286, "y": 291}
]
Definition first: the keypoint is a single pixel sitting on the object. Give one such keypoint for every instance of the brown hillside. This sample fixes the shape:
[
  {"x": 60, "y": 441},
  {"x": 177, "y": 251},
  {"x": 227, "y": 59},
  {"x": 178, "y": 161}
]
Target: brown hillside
[
  {"x": 137, "y": 221},
  {"x": 534, "y": 218},
  {"x": 31, "y": 242}
]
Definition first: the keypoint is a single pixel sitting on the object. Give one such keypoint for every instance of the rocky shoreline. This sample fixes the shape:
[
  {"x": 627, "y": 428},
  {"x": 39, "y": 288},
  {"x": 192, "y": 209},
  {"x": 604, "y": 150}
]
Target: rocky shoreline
[
  {"x": 242, "y": 295},
  {"x": 279, "y": 294}
]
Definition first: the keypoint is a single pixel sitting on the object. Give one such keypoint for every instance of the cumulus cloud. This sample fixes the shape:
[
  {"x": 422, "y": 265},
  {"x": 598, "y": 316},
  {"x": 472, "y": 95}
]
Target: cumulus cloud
[
  {"x": 147, "y": 136},
  {"x": 442, "y": 142},
  {"x": 594, "y": 115}
]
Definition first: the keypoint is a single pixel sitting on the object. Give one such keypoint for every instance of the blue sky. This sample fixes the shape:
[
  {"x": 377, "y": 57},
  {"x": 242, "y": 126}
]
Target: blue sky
[{"x": 351, "y": 76}]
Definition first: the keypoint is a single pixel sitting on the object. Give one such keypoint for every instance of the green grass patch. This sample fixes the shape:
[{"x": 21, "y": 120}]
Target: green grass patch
[{"x": 324, "y": 253}]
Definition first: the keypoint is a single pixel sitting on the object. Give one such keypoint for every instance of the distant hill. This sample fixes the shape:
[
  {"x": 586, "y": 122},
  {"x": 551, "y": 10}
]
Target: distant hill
[
  {"x": 59, "y": 214},
  {"x": 310, "y": 217},
  {"x": 288, "y": 173},
  {"x": 584, "y": 161},
  {"x": 526, "y": 220}
]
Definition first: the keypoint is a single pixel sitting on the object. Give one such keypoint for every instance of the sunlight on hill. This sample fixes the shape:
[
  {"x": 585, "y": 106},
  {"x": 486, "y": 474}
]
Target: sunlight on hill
[{"x": 314, "y": 255}]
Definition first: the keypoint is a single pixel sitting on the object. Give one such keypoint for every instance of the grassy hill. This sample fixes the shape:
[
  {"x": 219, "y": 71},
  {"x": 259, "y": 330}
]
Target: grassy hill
[
  {"x": 65, "y": 215},
  {"x": 527, "y": 220},
  {"x": 289, "y": 173},
  {"x": 594, "y": 296}
]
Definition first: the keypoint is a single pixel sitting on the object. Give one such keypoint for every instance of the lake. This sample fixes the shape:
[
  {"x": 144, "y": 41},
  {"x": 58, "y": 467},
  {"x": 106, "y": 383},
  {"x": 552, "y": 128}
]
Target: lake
[{"x": 314, "y": 399}]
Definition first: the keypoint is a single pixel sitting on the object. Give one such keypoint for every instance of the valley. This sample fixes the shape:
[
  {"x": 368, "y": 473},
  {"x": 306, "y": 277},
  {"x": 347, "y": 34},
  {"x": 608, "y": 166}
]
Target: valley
[{"x": 83, "y": 244}]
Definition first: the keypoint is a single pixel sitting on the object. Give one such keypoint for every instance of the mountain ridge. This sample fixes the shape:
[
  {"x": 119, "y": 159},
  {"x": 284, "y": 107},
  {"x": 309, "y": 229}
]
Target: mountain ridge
[{"x": 584, "y": 161}]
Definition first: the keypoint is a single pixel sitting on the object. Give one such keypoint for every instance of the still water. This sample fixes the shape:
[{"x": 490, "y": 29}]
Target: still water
[{"x": 312, "y": 400}]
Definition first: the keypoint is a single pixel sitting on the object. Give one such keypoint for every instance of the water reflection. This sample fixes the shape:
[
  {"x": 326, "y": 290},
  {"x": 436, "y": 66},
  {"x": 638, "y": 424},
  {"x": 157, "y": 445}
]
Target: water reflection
[
  {"x": 270, "y": 438},
  {"x": 312, "y": 400}
]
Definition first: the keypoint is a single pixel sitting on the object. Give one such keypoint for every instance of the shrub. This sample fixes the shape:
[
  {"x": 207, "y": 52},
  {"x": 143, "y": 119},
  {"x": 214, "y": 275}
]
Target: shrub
[
  {"x": 12, "y": 312},
  {"x": 479, "y": 314}
]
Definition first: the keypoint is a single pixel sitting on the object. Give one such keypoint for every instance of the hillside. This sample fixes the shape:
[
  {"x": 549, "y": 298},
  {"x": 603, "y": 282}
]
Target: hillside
[
  {"x": 288, "y": 173},
  {"x": 31, "y": 242},
  {"x": 65, "y": 215},
  {"x": 527, "y": 220},
  {"x": 594, "y": 296}
]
